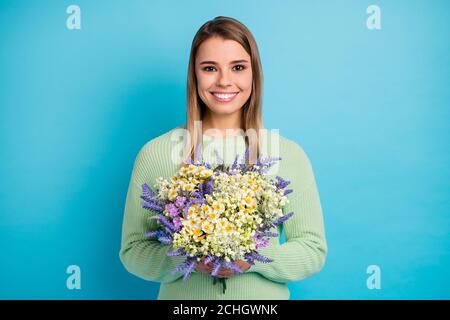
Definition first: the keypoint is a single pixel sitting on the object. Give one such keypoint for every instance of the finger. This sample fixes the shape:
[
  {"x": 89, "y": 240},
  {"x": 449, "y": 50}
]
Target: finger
[{"x": 226, "y": 273}]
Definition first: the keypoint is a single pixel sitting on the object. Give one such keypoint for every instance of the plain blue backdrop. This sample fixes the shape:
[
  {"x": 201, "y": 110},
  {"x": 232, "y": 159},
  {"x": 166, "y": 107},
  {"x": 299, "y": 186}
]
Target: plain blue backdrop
[{"x": 369, "y": 107}]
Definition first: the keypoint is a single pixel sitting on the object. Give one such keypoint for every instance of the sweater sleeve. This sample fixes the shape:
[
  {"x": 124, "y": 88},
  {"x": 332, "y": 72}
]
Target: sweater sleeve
[
  {"x": 304, "y": 251},
  {"x": 145, "y": 258}
]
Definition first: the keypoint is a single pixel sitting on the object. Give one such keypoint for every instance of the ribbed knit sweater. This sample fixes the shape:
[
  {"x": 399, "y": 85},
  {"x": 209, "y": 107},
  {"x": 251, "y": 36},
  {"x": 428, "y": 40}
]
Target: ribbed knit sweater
[{"x": 301, "y": 255}]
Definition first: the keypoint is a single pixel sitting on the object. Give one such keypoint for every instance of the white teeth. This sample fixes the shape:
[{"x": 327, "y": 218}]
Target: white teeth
[{"x": 224, "y": 95}]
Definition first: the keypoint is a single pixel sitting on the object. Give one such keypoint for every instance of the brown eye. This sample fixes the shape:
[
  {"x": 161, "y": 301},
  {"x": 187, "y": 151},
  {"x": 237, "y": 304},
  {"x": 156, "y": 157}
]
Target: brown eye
[
  {"x": 208, "y": 69},
  {"x": 240, "y": 67}
]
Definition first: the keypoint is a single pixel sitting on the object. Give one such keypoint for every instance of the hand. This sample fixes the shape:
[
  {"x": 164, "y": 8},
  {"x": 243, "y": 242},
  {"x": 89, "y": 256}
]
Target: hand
[{"x": 223, "y": 273}]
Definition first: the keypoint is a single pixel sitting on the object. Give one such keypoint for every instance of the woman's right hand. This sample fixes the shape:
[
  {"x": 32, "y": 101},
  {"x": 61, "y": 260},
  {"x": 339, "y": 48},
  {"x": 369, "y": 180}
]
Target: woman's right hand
[
  {"x": 223, "y": 273},
  {"x": 202, "y": 267}
]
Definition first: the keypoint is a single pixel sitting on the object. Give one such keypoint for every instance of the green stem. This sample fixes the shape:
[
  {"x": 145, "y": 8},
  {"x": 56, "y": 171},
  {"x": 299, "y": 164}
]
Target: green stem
[{"x": 223, "y": 280}]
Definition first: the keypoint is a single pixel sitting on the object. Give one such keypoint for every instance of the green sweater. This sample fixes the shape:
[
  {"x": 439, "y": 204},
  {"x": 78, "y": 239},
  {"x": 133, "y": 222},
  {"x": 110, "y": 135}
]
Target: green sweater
[{"x": 301, "y": 255}]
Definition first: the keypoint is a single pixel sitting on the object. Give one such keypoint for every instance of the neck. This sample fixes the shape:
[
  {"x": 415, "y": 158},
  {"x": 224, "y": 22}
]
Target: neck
[{"x": 224, "y": 124}]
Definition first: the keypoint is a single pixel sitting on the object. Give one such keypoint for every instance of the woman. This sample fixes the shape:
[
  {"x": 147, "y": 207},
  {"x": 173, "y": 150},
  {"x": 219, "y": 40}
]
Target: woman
[{"x": 224, "y": 93}]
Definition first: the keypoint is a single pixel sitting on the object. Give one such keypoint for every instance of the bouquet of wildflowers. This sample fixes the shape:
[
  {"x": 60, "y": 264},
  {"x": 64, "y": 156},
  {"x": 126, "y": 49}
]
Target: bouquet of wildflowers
[{"x": 221, "y": 214}]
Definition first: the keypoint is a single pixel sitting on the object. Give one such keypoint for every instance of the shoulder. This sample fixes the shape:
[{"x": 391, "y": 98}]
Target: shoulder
[
  {"x": 288, "y": 144},
  {"x": 295, "y": 163},
  {"x": 158, "y": 156},
  {"x": 163, "y": 142},
  {"x": 164, "y": 138},
  {"x": 294, "y": 154},
  {"x": 163, "y": 152},
  {"x": 287, "y": 148}
]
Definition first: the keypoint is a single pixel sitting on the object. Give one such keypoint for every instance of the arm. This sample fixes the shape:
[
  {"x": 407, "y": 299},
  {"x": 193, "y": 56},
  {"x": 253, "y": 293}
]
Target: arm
[
  {"x": 305, "y": 248},
  {"x": 145, "y": 258}
]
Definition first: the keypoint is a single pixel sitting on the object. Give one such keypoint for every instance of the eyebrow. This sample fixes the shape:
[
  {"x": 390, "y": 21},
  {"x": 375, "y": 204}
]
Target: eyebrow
[{"x": 232, "y": 62}]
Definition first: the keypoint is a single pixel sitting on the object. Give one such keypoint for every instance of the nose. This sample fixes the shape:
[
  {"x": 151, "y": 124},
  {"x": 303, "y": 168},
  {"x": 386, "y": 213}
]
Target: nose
[{"x": 224, "y": 79}]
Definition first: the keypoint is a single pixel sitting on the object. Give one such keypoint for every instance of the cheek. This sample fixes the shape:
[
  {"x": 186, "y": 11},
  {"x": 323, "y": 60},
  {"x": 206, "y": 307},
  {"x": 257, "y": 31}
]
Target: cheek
[
  {"x": 204, "y": 82},
  {"x": 245, "y": 82},
  {"x": 202, "y": 87}
]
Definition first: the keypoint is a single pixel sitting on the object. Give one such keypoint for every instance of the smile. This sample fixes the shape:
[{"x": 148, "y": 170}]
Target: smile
[{"x": 224, "y": 97}]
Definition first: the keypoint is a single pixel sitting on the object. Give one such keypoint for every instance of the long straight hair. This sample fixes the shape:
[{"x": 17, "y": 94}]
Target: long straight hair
[{"x": 251, "y": 121}]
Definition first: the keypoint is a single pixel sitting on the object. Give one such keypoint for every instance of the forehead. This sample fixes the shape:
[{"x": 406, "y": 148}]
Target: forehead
[{"x": 221, "y": 50}]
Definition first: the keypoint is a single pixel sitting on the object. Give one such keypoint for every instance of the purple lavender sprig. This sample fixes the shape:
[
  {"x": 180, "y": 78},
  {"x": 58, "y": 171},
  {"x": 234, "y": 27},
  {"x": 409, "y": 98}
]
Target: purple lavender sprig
[
  {"x": 281, "y": 183},
  {"x": 150, "y": 200},
  {"x": 177, "y": 253},
  {"x": 162, "y": 235}
]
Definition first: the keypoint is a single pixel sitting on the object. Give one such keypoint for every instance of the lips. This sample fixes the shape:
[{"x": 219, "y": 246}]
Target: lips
[{"x": 224, "y": 96}]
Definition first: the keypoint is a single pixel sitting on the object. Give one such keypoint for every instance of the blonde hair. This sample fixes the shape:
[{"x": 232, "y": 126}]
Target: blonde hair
[{"x": 229, "y": 29}]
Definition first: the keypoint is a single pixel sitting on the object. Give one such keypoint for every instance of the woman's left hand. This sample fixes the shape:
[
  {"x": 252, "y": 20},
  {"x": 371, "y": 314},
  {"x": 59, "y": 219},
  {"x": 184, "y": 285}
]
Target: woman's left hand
[
  {"x": 223, "y": 273},
  {"x": 226, "y": 273}
]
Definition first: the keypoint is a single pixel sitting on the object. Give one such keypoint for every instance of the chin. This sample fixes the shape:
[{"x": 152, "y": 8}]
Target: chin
[{"x": 224, "y": 110}]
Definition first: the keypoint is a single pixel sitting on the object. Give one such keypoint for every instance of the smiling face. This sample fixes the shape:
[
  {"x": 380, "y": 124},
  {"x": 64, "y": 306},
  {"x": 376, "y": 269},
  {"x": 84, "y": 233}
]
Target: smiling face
[{"x": 224, "y": 75}]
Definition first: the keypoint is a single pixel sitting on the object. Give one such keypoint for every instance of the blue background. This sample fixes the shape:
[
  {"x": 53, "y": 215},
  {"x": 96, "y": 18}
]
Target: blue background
[{"x": 370, "y": 108}]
